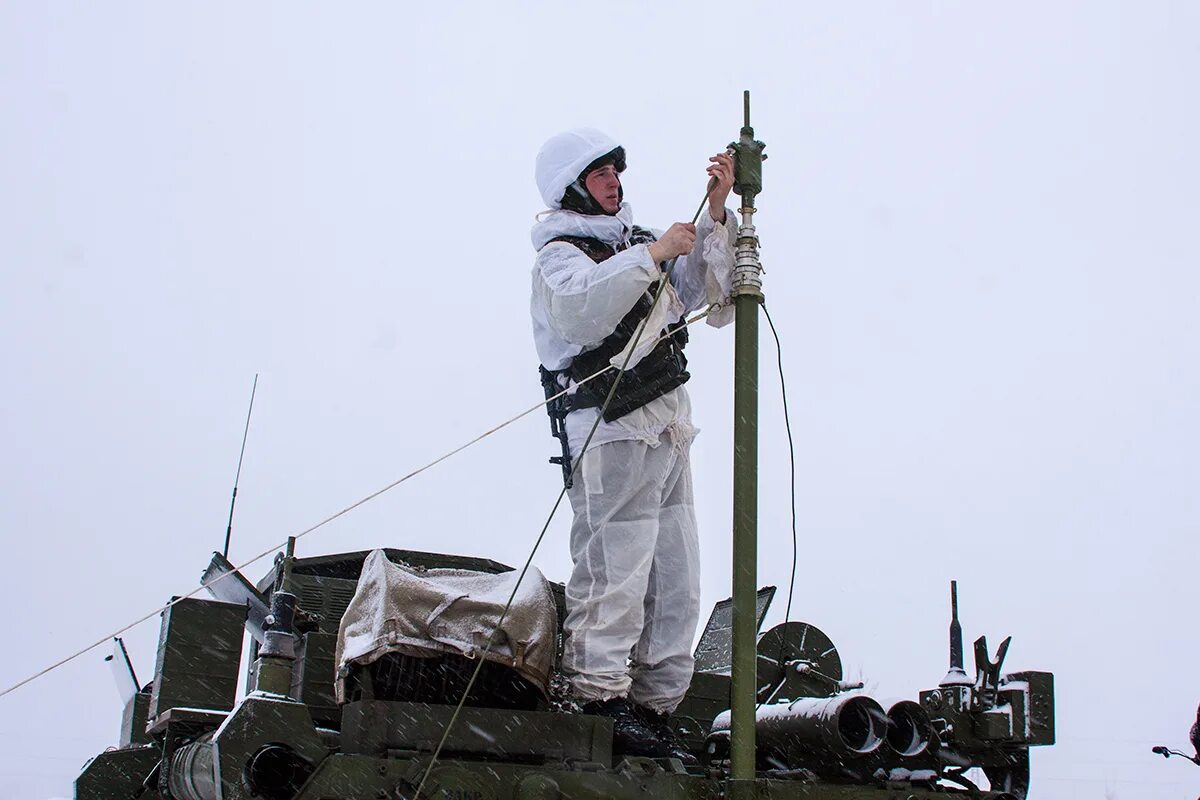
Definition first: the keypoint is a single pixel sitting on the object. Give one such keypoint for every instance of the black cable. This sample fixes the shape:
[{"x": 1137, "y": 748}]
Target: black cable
[
  {"x": 792, "y": 460},
  {"x": 1167, "y": 752}
]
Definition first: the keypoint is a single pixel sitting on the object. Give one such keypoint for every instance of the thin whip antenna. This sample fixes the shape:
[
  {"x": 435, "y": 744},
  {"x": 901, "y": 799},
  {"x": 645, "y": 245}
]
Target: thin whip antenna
[{"x": 238, "y": 476}]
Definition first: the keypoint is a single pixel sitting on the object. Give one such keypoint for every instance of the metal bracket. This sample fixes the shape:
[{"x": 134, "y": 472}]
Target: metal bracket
[{"x": 987, "y": 673}]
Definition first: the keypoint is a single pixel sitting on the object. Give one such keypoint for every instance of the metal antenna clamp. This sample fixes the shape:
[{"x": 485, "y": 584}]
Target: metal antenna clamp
[{"x": 748, "y": 157}]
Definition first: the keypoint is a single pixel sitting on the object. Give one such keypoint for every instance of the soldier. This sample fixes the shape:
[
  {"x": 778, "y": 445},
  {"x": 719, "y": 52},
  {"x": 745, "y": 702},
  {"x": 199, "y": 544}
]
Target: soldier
[{"x": 633, "y": 596}]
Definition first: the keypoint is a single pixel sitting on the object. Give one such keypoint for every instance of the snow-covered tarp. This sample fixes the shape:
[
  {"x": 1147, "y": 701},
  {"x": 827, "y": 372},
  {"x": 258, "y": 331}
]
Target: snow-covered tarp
[{"x": 428, "y": 612}]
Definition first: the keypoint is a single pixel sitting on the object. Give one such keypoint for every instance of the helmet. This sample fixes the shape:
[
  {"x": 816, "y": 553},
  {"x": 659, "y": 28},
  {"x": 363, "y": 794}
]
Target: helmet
[{"x": 566, "y": 158}]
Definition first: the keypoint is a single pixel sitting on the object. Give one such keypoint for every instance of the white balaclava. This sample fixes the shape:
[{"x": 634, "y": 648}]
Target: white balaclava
[{"x": 564, "y": 156}]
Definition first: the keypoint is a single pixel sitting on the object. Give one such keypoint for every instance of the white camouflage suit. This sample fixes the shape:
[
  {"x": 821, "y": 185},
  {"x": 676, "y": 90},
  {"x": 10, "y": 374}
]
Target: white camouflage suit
[{"x": 633, "y": 599}]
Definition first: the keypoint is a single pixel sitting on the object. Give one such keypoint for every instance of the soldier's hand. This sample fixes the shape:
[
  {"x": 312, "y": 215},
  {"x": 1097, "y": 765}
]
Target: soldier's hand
[
  {"x": 720, "y": 184},
  {"x": 677, "y": 241}
]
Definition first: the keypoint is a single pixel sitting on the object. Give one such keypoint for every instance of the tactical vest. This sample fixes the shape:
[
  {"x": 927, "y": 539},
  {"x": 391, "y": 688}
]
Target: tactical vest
[{"x": 662, "y": 369}]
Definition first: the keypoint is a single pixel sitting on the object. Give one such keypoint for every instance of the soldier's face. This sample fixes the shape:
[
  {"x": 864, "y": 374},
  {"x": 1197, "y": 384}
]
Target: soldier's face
[{"x": 604, "y": 185}]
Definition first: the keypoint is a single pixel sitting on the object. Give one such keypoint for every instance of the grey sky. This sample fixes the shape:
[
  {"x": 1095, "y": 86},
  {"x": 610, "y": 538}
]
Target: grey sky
[{"x": 979, "y": 225}]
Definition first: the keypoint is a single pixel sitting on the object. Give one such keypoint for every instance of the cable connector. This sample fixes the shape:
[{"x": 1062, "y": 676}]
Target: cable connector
[{"x": 747, "y": 268}]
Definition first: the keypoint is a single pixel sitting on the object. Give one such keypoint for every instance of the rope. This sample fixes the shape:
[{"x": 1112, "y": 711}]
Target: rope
[{"x": 332, "y": 517}]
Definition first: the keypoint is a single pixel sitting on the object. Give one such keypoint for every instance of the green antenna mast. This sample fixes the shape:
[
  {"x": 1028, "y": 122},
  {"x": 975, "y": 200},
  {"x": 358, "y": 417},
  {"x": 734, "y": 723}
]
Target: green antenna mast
[{"x": 747, "y": 296}]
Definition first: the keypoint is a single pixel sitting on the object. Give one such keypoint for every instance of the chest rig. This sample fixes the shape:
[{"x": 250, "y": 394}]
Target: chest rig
[{"x": 661, "y": 370}]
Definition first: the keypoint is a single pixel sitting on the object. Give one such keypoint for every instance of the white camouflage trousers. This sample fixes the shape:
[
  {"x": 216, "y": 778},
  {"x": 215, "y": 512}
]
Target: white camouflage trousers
[{"x": 633, "y": 599}]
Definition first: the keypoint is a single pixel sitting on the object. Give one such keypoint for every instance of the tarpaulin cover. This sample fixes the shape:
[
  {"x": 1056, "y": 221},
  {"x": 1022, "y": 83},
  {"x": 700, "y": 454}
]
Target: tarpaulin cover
[{"x": 428, "y": 612}]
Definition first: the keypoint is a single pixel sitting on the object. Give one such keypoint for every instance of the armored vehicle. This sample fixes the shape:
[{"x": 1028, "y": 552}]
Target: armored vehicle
[
  {"x": 397, "y": 675},
  {"x": 309, "y": 728}
]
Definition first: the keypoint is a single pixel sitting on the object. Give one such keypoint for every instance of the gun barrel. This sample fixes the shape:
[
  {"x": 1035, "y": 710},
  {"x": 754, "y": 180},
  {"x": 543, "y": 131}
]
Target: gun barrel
[
  {"x": 845, "y": 727},
  {"x": 909, "y": 729}
]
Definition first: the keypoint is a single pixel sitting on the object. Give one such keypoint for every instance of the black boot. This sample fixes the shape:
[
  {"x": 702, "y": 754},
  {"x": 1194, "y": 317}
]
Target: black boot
[
  {"x": 660, "y": 724},
  {"x": 631, "y": 735}
]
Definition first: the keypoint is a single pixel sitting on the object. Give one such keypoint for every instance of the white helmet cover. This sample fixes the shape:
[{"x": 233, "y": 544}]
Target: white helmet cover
[{"x": 564, "y": 156}]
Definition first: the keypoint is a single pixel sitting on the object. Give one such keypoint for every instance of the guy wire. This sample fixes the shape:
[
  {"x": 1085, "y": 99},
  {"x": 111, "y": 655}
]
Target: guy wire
[
  {"x": 662, "y": 284},
  {"x": 104, "y": 639}
]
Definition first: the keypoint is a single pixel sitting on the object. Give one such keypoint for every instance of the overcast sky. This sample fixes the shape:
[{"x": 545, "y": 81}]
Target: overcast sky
[{"x": 979, "y": 225}]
